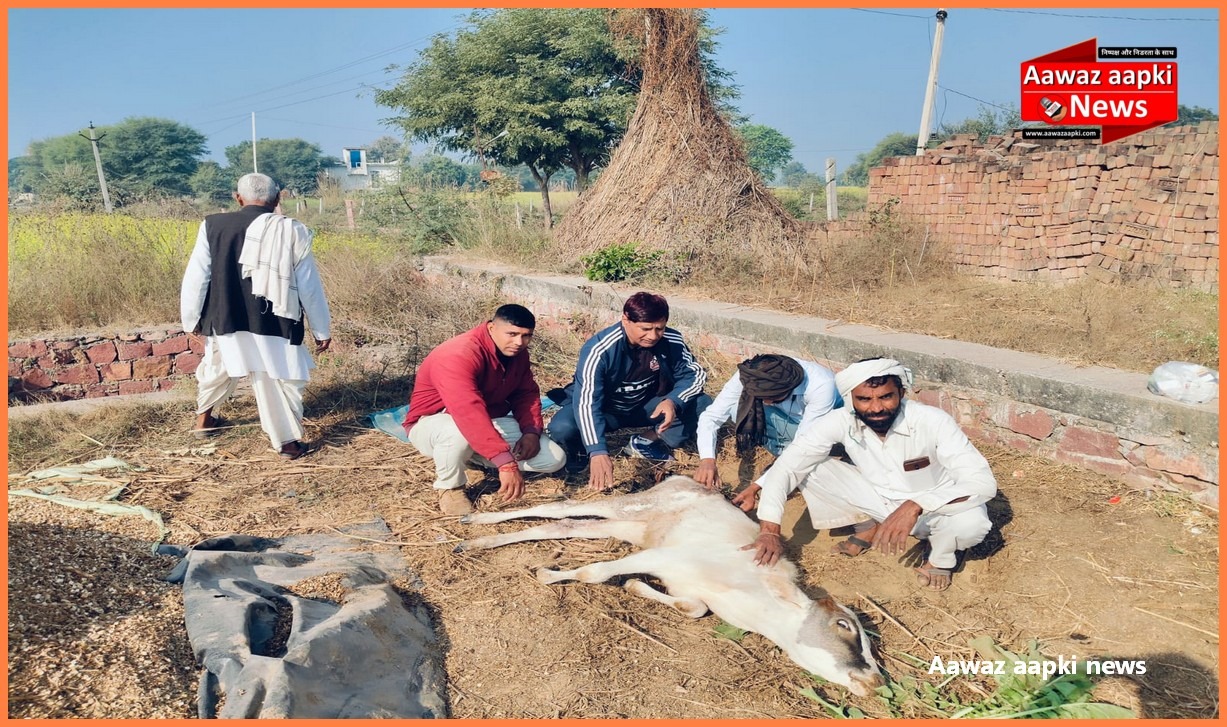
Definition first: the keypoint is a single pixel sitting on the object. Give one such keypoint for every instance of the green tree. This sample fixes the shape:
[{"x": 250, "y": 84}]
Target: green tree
[
  {"x": 75, "y": 185},
  {"x": 23, "y": 174},
  {"x": 212, "y": 183},
  {"x": 153, "y": 155},
  {"x": 144, "y": 155},
  {"x": 767, "y": 149},
  {"x": 893, "y": 145},
  {"x": 295, "y": 164},
  {"x": 793, "y": 173},
  {"x": 543, "y": 88},
  {"x": 549, "y": 89},
  {"x": 387, "y": 149},
  {"x": 1186, "y": 115},
  {"x": 437, "y": 170}
]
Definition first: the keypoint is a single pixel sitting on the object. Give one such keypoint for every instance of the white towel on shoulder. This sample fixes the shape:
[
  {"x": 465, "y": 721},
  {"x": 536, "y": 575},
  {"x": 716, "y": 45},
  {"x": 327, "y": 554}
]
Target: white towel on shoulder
[{"x": 272, "y": 248}]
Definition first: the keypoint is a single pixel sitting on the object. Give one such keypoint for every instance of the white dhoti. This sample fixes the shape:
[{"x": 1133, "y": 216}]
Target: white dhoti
[
  {"x": 438, "y": 437},
  {"x": 278, "y": 371},
  {"x": 837, "y": 495}
]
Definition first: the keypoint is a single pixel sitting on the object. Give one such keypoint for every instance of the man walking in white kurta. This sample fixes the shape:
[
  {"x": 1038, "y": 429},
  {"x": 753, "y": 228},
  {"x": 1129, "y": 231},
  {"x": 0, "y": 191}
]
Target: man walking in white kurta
[
  {"x": 250, "y": 279},
  {"x": 914, "y": 472}
]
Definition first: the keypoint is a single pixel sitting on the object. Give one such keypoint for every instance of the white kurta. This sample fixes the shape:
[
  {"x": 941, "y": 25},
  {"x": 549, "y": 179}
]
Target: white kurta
[
  {"x": 243, "y": 352},
  {"x": 924, "y": 458}
]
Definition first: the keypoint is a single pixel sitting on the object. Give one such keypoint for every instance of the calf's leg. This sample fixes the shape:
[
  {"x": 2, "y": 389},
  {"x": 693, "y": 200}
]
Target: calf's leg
[
  {"x": 645, "y": 561},
  {"x": 606, "y": 508},
  {"x": 692, "y": 607},
  {"x": 632, "y": 532}
]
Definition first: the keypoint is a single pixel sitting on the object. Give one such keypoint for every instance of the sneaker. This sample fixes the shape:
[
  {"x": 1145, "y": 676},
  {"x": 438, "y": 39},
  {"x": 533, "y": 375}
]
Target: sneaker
[
  {"x": 454, "y": 502},
  {"x": 645, "y": 448}
]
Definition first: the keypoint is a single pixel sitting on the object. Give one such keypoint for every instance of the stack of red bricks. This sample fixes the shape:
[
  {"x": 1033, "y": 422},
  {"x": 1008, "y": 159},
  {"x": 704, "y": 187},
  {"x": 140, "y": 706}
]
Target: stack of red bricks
[
  {"x": 1144, "y": 207},
  {"x": 84, "y": 367}
]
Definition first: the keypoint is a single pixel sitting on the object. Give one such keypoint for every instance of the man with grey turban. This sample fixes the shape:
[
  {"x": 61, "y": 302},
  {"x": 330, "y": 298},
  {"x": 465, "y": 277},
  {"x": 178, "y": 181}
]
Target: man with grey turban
[
  {"x": 771, "y": 399},
  {"x": 913, "y": 472}
]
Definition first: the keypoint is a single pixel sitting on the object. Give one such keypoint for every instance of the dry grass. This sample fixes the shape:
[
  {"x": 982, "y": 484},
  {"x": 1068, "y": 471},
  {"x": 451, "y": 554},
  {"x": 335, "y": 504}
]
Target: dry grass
[
  {"x": 609, "y": 654},
  {"x": 76, "y": 270},
  {"x": 1129, "y": 327},
  {"x": 1059, "y": 571},
  {"x": 81, "y": 271}
]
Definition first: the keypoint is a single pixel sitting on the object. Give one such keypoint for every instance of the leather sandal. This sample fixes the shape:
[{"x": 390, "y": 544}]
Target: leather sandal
[
  {"x": 214, "y": 425},
  {"x": 295, "y": 450},
  {"x": 843, "y": 547},
  {"x": 926, "y": 574}
]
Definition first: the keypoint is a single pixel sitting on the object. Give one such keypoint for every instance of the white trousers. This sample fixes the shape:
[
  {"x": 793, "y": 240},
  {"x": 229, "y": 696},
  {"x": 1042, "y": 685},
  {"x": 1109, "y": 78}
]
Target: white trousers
[
  {"x": 438, "y": 437},
  {"x": 279, "y": 401},
  {"x": 837, "y": 495}
]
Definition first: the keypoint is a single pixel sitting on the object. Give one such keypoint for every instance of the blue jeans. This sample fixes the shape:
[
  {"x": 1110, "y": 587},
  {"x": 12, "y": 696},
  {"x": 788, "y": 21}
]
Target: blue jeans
[{"x": 564, "y": 430}]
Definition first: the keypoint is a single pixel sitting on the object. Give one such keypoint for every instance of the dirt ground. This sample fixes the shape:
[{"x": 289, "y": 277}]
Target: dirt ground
[{"x": 1078, "y": 561}]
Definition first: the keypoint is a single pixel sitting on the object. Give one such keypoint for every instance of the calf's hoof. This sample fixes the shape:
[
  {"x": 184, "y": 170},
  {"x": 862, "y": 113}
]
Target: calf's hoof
[{"x": 547, "y": 575}]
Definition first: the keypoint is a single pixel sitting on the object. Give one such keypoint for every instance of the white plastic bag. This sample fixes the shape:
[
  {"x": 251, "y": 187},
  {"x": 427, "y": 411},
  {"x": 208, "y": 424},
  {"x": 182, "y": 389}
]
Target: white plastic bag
[{"x": 1184, "y": 381}]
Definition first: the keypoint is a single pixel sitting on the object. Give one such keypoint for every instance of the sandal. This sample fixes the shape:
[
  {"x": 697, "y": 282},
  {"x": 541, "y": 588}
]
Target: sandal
[
  {"x": 294, "y": 450},
  {"x": 214, "y": 425},
  {"x": 844, "y": 547},
  {"x": 929, "y": 574}
]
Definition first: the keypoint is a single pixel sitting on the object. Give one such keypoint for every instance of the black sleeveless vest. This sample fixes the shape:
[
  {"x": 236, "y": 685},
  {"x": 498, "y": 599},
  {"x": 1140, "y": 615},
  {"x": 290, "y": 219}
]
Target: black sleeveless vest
[{"x": 229, "y": 305}]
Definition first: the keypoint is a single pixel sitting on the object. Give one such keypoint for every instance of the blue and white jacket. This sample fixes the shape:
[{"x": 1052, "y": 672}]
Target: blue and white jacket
[{"x": 605, "y": 362}]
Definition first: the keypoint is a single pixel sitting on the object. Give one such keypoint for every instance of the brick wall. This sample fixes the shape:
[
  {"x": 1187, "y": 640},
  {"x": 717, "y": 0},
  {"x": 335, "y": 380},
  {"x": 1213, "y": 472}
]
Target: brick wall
[
  {"x": 1142, "y": 208},
  {"x": 89, "y": 366}
]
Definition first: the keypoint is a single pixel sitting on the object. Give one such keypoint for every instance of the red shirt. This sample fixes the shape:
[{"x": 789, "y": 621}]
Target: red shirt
[{"x": 468, "y": 377}]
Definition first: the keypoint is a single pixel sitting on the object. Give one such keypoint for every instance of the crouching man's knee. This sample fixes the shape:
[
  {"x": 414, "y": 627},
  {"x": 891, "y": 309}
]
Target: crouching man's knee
[
  {"x": 550, "y": 458},
  {"x": 969, "y": 527}
]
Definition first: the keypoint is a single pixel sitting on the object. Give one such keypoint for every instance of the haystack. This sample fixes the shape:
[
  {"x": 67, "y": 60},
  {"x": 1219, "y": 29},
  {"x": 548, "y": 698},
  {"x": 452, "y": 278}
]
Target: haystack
[{"x": 679, "y": 181}]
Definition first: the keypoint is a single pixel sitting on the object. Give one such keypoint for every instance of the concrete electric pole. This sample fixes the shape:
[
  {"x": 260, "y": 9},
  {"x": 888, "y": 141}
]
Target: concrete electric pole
[
  {"x": 926, "y": 116},
  {"x": 102, "y": 180}
]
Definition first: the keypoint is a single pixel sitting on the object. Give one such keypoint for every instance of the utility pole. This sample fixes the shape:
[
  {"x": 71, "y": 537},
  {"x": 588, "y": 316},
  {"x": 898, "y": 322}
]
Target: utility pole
[
  {"x": 254, "y": 167},
  {"x": 926, "y": 116},
  {"x": 102, "y": 180}
]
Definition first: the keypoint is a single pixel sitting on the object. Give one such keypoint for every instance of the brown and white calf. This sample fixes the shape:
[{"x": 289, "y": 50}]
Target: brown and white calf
[{"x": 691, "y": 539}]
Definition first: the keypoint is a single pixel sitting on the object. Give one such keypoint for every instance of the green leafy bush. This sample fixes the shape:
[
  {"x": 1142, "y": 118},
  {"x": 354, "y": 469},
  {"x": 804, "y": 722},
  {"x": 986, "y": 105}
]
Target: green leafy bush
[{"x": 620, "y": 262}]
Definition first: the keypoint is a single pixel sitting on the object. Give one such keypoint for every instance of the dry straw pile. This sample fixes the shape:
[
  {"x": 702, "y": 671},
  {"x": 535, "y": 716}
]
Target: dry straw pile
[{"x": 679, "y": 181}]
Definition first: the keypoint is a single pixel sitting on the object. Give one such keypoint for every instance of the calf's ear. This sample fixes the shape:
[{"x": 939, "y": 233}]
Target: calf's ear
[
  {"x": 785, "y": 590},
  {"x": 826, "y": 603}
]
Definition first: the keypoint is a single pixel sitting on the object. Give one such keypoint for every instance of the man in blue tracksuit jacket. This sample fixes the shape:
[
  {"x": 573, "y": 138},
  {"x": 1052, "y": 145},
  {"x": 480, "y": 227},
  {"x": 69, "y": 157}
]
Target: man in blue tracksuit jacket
[{"x": 635, "y": 373}]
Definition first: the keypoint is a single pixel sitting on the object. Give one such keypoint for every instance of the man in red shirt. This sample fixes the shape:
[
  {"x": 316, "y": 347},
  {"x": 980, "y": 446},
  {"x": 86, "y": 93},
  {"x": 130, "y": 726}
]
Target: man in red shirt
[{"x": 475, "y": 399}]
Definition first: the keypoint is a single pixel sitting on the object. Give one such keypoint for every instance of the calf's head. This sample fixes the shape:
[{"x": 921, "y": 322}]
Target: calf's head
[{"x": 832, "y": 644}]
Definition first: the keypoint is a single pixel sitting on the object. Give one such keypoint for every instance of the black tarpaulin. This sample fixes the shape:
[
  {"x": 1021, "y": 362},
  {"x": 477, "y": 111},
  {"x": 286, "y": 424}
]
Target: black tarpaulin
[{"x": 365, "y": 653}]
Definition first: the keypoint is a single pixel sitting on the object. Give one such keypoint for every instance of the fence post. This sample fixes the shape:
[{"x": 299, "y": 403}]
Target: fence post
[
  {"x": 349, "y": 212},
  {"x": 832, "y": 192}
]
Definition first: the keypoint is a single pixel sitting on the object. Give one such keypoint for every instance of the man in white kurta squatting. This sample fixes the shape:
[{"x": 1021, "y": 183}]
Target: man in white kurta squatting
[
  {"x": 250, "y": 279},
  {"x": 914, "y": 472}
]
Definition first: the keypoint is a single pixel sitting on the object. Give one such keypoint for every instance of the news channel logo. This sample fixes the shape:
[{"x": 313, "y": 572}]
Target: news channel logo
[{"x": 1054, "y": 110}]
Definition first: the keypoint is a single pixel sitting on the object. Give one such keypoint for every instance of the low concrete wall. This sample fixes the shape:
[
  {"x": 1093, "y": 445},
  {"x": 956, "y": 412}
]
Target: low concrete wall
[
  {"x": 1098, "y": 418},
  {"x": 86, "y": 366}
]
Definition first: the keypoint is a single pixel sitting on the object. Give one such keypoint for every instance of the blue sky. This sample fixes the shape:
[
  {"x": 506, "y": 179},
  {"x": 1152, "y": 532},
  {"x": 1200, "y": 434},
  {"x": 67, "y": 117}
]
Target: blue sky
[{"x": 835, "y": 81}]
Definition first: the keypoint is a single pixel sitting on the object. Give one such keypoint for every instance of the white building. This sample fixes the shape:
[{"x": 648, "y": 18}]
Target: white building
[{"x": 355, "y": 172}]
